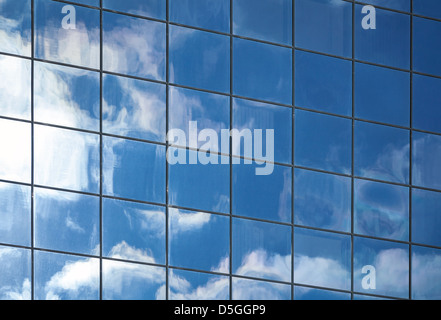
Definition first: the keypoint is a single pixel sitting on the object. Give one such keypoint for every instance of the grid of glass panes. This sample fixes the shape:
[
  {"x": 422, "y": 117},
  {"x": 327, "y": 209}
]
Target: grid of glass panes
[{"x": 89, "y": 208}]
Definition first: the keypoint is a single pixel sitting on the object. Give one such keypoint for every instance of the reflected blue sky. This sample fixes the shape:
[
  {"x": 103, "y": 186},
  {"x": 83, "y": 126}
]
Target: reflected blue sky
[
  {"x": 246, "y": 289},
  {"x": 426, "y": 220},
  {"x": 305, "y": 293},
  {"x": 425, "y": 34},
  {"x": 15, "y": 27},
  {"x": 15, "y": 278},
  {"x": 403, "y": 5},
  {"x": 431, "y": 8},
  {"x": 148, "y": 8},
  {"x": 426, "y": 152},
  {"x": 426, "y": 273},
  {"x": 426, "y": 102}
]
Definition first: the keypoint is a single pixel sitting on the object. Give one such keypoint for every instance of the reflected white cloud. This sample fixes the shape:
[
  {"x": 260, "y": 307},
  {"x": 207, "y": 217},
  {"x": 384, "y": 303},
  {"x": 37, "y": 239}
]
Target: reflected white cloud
[
  {"x": 188, "y": 222},
  {"x": 426, "y": 276},
  {"x": 12, "y": 38},
  {"x": 15, "y": 274}
]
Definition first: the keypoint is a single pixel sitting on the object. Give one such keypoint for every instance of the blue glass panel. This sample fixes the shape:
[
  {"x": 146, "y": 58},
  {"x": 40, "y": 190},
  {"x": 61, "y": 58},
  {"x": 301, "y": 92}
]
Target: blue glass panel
[
  {"x": 134, "y": 170},
  {"x": 426, "y": 46},
  {"x": 67, "y": 159},
  {"x": 250, "y": 115},
  {"x": 305, "y": 293},
  {"x": 199, "y": 240},
  {"x": 15, "y": 151},
  {"x": 426, "y": 273},
  {"x": 382, "y": 94},
  {"x": 65, "y": 277},
  {"x": 187, "y": 285},
  {"x": 323, "y": 83},
  {"x": 148, "y": 8},
  {"x": 66, "y": 221},
  {"x": 95, "y": 3},
  {"x": 426, "y": 102},
  {"x": 15, "y": 214},
  {"x": 381, "y": 152},
  {"x": 15, "y": 27},
  {"x": 134, "y": 46},
  {"x": 388, "y": 44},
  {"x": 381, "y": 210},
  {"x": 269, "y": 20},
  {"x": 323, "y": 142},
  {"x": 191, "y": 185},
  {"x": 246, "y": 289},
  {"x": 362, "y": 297},
  {"x": 430, "y": 8},
  {"x": 15, "y": 87},
  {"x": 133, "y": 231},
  {"x": 262, "y": 196},
  {"x": 381, "y": 267},
  {"x": 208, "y": 14},
  {"x": 426, "y": 218},
  {"x": 199, "y": 59},
  {"x": 403, "y": 5},
  {"x": 322, "y": 200},
  {"x": 130, "y": 281},
  {"x": 262, "y": 71},
  {"x": 325, "y": 26},
  {"x": 426, "y": 155},
  {"x": 134, "y": 108},
  {"x": 261, "y": 250},
  {"x": 322, "y": 259},
  {"x": 16, "y": 274},
  {"x": 68, "y": 97},
  {"x": 77, "y": 43}
]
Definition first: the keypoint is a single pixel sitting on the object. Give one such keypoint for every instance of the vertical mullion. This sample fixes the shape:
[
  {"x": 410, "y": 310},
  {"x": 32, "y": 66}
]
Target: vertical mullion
[
  {"x": 231, "y": 151},
  {"x": 352, "y": 151},
  {"x": 293, "y": 147},
  {"x": 410, "y": 149},
  {"x": 101, "y": 149},
  {"x": 32, "y": 149},
  {"x": 167, "y": 103}
]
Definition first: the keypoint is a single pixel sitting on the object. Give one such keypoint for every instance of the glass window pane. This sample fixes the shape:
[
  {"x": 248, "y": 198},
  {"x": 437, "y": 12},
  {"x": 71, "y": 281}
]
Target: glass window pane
[
  {"x": 133, "y": 231},
  {"x": 382, "y": 94},
  {"x": 403, "y": 5},
  {"x": 65, "y": 277},
  {"x": 323, "y": 142},
  {"x": 430, "y": 8},
  {"x": 262, "y": 71},
  {"x": 265, "y": 197},
  {"x": 325, "y": 26},
  {"x": 381, "y": 210},
  {"x": 66, "y": 221},
  {"x": 426, "y": 155},
  {"x": 381, "y": 152},
  {"x": 381, "y": 267},
  {"x": 322, "y": 200},
  {"x": 388, "y": 44},
  {"x": 199, "y": 240},
  {"x": 131, "y": 281},
  {"x": 15, "y": 87},
  {"x": 426, "y": 218},
  {"x": 426, "y": 102},
  {"x": 426, "y": 273},
  {"x": 322, "y": 259},
  {"x": 261, "y": 250},
  {"x": 67, "y": 159},
  {"x": 77, "y": 44},
  {"x": 207, "y": 14},
  {"x": 305, "y": 293},
  {"x": 199, "y": 59},
  {"x": 15, "y": 214},
  {"x": 203, "y": 193},
  {"x": 134, "y": 170},
  {"x": 15, "y": 29},
  {"x": 15, "y": 151},
  {"x": 247, "y": 289},
  {"x": 16, "y": 274},
  {"x": 193, "y": 112},
  {"x": 187, "y": 285},
  {"x": 323, "y": 83},
  {"x": 68, "y": 97},
  {"x": 95, "y": 3},
  {"x": 134, "y": 108},
  {"x": 148, "y": 8},
  {"x": 269, "y": 20},
  {"x": 426, "y": 35},
  {"x": 251, "y": 115},
  {"x": 134, "y": 46}
]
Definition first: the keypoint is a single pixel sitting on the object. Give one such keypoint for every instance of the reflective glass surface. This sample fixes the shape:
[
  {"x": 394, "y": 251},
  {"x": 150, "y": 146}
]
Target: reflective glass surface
[
  {"x": 426, "y": 102},
  {"x": 426, "y": 273},
  {"x": 261, "y": 250},
  {"x": 322, "y": 259},
  {"x": 426, "y": 218},
  {"x": 323, "y": 83},
  {"x": 322, "y": 200},
  {"x": 403, "y": 5},
  {"x": 199, "y": 240},
  {"x": 246, "y": 289},
  {"x": 269, "y": 20},
  {"x": 426, "y": 153},
  {"x": 16, "y": 274},
  {"x": 15, "y": 27},
  {"x": 147, "y": 8},
  {"x": 381, "y": 152},
  {"x": 306, "y": 293},
  {"x": 15, "y": 87},
  {"x": 323, "y": 142},
  {"x": 426, "y": 34},
  {"x": 95, "y": 3},
  {"x": 262, "y": 71},
  {"x": 60, "y": 39},
  {"x": 381, "y": 267},
  {"x": 430, "y": 8}
]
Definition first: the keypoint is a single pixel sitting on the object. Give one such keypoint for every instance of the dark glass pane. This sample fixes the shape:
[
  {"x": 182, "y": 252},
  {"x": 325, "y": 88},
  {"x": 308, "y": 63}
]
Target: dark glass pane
[
  {"x": 430, "y": 8},
  {"x": 426, "y": 102},
  {"x": 426, "y": 46},
  {"x": 403, "y": 5},
  {"x": 426, "y": 217}
]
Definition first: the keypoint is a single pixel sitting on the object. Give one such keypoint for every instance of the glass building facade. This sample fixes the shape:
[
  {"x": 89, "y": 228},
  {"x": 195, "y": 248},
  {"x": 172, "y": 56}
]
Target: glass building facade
[{"x": 91, "y": 208}]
